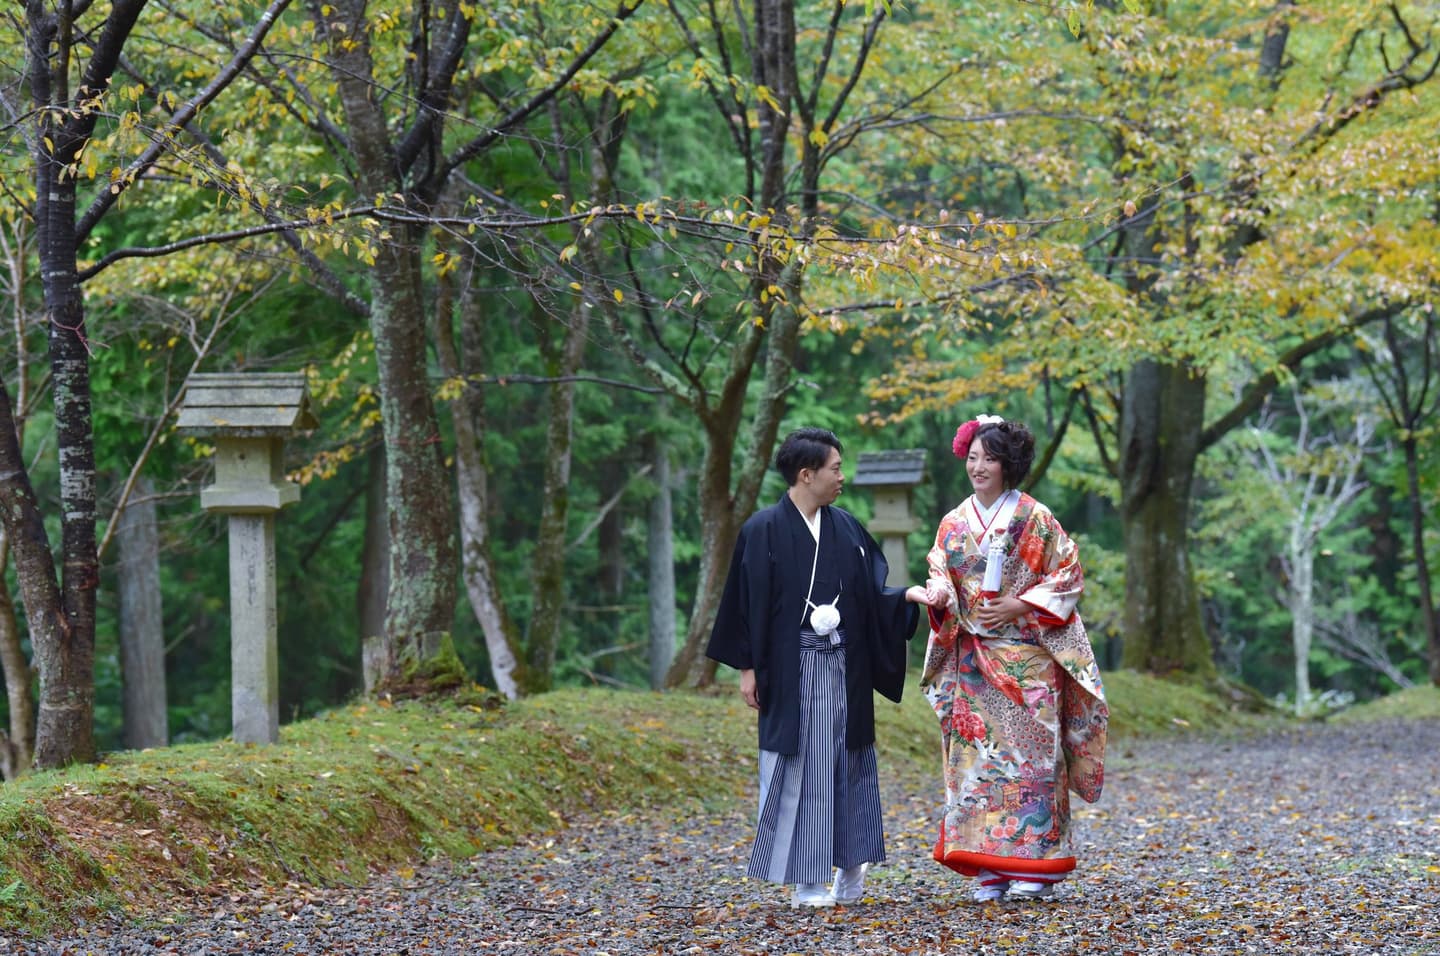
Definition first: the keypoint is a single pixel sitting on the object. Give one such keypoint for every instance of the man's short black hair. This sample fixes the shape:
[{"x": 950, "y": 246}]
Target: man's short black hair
[{"x": 805, "y": 448}]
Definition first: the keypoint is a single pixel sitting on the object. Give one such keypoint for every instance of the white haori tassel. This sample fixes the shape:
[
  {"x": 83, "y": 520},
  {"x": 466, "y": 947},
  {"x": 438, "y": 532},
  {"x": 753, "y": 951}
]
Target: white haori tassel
[{"x": 825, "y": 619}]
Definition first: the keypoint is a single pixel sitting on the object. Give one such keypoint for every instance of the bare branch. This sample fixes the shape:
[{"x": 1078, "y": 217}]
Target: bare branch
[
  {"x": 608, "y": 506},
  {"x": 479, "y": 144}
]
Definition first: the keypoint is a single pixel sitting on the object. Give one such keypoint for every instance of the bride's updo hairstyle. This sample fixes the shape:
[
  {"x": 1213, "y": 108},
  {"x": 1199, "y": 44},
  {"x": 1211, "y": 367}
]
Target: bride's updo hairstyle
[{"x": 1013, "y": 445}]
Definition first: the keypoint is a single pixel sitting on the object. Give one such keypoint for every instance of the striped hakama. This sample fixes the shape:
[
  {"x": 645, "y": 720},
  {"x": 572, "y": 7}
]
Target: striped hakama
[{"x": 820, "y": 807}]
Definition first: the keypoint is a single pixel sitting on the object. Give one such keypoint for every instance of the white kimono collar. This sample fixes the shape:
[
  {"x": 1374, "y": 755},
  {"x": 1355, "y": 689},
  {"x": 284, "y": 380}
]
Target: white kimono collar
[{"x": 998, "y": 515}]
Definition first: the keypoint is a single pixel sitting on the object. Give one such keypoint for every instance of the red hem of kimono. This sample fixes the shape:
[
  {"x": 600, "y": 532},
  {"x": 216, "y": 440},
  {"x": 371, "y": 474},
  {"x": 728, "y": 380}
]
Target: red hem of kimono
[{"x": 970, "y": 864}]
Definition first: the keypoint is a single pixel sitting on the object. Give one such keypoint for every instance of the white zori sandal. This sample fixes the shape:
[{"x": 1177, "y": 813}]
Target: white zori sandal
[
  {"x": 811, "y": 895},
  {"x": 849, "y": 885},
  {"x": 1030, "y": 890},
  {"x": 990, "y": 887}
]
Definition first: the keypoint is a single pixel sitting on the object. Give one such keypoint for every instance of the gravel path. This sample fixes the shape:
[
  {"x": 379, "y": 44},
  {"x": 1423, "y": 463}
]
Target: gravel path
[{"x": 1314, "y": 841}]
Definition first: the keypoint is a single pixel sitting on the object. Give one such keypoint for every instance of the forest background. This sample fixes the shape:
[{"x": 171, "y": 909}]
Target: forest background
[{"x": 560, "y": 273}]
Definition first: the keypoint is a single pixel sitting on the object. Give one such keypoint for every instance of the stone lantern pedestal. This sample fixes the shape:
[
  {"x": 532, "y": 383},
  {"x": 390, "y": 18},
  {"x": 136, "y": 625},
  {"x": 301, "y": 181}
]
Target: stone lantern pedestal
[{"x": 248, "y": 417}]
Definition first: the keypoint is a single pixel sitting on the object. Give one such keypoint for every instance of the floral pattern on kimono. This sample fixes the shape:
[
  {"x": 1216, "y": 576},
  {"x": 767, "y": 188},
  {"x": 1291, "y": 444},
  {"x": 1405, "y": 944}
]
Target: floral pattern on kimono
[{"x": 1022, "y": 711}]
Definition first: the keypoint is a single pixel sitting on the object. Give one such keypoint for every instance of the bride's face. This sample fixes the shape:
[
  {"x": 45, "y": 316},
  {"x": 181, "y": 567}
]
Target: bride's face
[{"x": 987, "y": 473}]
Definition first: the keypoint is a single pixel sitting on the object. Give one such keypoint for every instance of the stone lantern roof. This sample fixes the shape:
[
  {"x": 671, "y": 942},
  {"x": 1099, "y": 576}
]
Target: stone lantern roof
[
  {"x": 246, "y": 404},
  {"x": 904, "y": 467}
]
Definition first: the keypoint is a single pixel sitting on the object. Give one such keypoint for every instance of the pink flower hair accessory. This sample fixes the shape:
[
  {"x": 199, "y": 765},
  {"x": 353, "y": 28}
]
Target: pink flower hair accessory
[{"x": 965, "y": 434}]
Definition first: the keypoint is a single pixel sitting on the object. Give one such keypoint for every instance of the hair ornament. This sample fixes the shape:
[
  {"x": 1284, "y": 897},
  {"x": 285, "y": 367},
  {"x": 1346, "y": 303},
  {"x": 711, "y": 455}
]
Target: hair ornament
[{"x": 965, "y": 434}]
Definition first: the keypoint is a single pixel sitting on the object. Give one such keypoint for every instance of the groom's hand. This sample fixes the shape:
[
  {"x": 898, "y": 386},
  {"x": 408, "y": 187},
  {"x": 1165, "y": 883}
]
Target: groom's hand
[{"x": 747, "y": 688}]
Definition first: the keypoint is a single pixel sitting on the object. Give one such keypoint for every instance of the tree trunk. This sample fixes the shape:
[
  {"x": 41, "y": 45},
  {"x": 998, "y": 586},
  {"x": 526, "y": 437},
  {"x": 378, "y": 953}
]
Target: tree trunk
[
  {"x": 34, "y": 565},
  {"x": 548, "y": 569},
  {"x": 17, "y": 745},
  {"x": 420, "y": 607},
  {"x": 1405, "y": 399},
  {"x": 1160, "y": 425},
  {"x": 547, "y": 573},
  {"x": 423, "y": 562},
  {"x": 64, "y": 730},
  {"x": 720, "y": 521},
  {"x": 721, "y": 513},
  {"x": 660, "y": 537},
  {"x": 62, "y": 618},
  {"x": 374, "y": 587},
  {"x": 69, "y": 67},
  {"x": 142, "y": 626},
  {"x": 1301, "y": 591},
  {"x": 1429, "y": 619},
  {"x": 1277, "y": 35},
  {"x": 468, "y": 419},
  {"x": 613, "y": 476},
  {"x": 65, "y": 657},
  {"x": 1161, "y": 418},
  {"x": 790, "y": 116},
  {"x": 17, "y": 742}
]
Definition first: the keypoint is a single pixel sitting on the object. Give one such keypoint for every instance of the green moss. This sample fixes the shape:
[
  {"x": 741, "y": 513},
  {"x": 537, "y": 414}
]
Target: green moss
[
  {"x": 442, "y": 672},
  {"x": 1413, "y": 703},
  {"x": 1144, "y": 705},
  {"x": 40, "y": 858}
]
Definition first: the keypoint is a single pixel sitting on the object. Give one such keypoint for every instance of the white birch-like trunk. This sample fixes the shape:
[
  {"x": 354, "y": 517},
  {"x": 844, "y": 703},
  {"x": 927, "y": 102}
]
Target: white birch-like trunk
[
  {"x": 476, "y": 570},
  {"x": 1316, "y": 484},
  {"x": 1302, "y": 616},
  {"x": 468, "y": 419}
]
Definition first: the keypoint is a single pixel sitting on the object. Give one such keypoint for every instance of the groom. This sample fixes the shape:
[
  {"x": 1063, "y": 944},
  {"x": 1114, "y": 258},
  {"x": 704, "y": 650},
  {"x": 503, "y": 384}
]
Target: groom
[{"x": 807, "y": 620}]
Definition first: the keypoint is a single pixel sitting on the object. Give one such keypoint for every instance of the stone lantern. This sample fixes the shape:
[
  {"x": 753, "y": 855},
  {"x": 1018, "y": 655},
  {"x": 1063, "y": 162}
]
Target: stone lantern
[
  {"x": 891, "y": 475},
  {"x": 248, "y": 416}
]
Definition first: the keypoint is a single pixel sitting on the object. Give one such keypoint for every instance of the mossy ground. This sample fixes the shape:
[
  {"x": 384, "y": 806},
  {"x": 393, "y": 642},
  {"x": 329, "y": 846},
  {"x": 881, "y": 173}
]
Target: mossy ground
[
  {"x": 374, "y": 786},
  {"x": 1418, "y": 703},
  {"x": 363, "y": 787}
]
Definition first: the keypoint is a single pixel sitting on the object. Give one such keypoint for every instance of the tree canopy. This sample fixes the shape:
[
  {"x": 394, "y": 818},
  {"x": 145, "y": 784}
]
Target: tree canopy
[{"x": 530, "y": 254}]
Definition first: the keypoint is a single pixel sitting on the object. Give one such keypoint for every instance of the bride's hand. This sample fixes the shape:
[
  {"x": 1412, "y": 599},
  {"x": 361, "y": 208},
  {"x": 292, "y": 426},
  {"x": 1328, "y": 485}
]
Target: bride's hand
[
  {"x": 997, "y": 612},
  {"x": 927, "y": 596}
]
